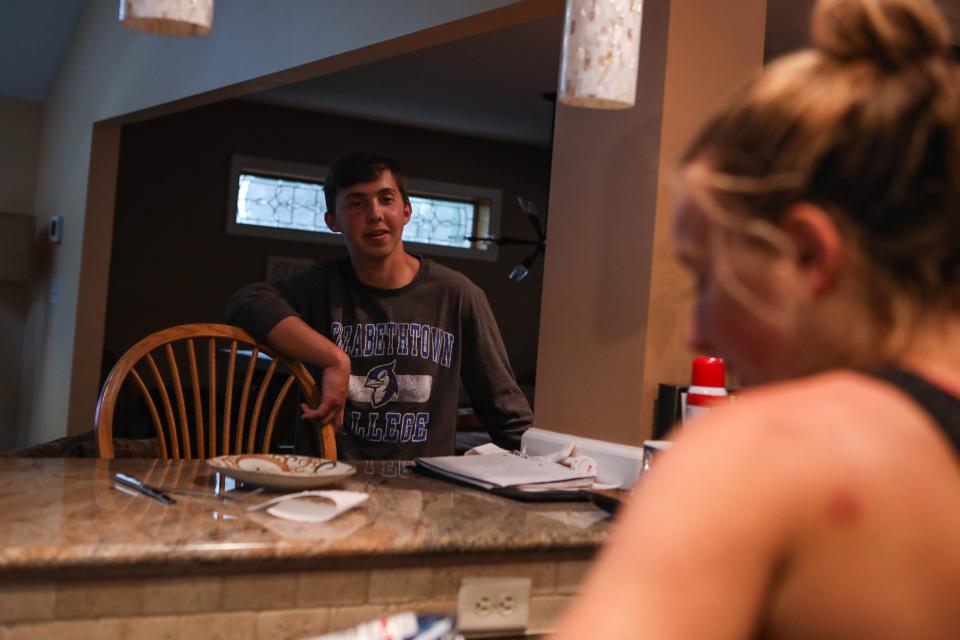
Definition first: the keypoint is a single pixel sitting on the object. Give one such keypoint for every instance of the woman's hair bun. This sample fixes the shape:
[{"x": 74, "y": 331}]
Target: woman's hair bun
[{"x": 893, "y": 33}]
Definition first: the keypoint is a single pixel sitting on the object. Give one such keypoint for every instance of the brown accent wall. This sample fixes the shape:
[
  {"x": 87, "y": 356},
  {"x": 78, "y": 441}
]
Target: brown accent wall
[
  {"x": 173, "y": 262},
  {"x": 19, "y": 148}
]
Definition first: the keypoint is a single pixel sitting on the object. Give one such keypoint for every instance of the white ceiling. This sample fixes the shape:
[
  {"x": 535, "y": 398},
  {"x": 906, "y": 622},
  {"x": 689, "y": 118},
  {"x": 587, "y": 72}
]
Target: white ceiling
[{"x": 489, "y": 85}]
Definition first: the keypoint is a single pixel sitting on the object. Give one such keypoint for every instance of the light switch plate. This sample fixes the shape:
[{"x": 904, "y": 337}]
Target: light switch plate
[{"x": 56, "y": 285}]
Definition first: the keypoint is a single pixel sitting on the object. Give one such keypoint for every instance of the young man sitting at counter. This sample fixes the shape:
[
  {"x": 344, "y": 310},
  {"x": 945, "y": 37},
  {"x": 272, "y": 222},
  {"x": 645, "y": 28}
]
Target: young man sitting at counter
[{"x": 393, "y": 333}]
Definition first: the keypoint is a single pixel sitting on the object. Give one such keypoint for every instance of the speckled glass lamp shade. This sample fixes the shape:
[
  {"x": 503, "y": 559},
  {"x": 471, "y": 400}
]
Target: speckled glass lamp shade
[
  {"x": 601, "y": 50},
  {"x": 167, "y": 17}
]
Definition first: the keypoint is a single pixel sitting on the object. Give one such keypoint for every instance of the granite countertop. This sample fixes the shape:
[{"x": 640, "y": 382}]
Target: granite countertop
[{"x": 65, "y": 514}]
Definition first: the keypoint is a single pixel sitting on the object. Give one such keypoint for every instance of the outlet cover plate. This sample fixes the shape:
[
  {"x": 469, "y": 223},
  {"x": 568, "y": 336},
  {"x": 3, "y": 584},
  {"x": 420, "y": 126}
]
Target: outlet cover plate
[{"x": 493, "y": 604}]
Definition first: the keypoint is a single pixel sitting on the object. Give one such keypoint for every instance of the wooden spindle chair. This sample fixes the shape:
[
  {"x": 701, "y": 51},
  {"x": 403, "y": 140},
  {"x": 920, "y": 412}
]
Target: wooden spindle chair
[{"x": 240, "y": 427}]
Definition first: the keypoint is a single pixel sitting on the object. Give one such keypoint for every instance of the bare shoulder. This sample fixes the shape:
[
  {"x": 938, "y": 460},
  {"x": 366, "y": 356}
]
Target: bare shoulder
[
  {"x": 835, "y": 405},
  {"x": 794, "y": 491},
  {"x": 815, "y": 430},
  {"x": 840, "y": 406}
]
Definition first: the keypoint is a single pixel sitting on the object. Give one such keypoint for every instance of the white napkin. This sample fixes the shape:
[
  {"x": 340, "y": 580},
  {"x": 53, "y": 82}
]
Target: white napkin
[
  {"x": 485, "y": 449},
  {"x": 565, "y": 456},
  {"x": 295, "y": 506}
]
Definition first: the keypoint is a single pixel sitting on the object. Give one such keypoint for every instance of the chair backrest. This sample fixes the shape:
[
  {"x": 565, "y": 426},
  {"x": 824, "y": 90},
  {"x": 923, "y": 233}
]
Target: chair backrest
[{"x": 227, "y": 428}]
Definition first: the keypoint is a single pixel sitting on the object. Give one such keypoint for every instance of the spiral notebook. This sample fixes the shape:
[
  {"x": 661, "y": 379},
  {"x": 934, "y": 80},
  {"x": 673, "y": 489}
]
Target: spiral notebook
[{"x": 506, "y": 471}]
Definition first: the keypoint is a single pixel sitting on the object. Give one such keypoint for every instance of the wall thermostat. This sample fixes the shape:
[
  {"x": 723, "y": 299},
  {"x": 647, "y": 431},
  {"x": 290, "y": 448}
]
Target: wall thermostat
[{"x": 56, "y": 229}]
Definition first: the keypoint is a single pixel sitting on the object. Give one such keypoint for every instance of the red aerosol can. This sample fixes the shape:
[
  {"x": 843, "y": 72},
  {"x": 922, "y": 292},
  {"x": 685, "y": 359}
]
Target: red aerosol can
[{"x": 707, "y": 387}]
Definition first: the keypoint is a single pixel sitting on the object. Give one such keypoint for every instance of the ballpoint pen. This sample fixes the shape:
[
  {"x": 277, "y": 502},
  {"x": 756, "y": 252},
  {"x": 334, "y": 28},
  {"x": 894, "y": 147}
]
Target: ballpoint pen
[{"x": 130, "y": 481}]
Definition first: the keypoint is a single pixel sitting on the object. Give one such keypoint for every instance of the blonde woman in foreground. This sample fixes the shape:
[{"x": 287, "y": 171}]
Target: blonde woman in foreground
[{"x": 820, "y": 216}]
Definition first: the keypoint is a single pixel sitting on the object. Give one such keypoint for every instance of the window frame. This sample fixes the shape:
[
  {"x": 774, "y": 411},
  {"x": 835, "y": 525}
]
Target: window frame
[{"x": 492, "y": 199}]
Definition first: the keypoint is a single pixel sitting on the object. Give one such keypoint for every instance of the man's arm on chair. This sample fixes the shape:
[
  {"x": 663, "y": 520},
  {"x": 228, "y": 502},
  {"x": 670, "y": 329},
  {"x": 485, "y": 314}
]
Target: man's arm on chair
[
  {"x": 271, "y": 314},
  {"x": 295, "y": 339}
]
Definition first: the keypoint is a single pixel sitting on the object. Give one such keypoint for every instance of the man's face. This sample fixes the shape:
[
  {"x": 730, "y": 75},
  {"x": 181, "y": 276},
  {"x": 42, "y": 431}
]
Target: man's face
[{"x": 371, "y": 216}]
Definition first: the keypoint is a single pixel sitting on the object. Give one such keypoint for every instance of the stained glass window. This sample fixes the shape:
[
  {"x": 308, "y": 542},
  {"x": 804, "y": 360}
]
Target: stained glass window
[
  {"x": 286, "y": 200},
  {"x": 288, "y": 204},
  {"x": 275, "y": 202},
  {"x": 443, "y": 222}
]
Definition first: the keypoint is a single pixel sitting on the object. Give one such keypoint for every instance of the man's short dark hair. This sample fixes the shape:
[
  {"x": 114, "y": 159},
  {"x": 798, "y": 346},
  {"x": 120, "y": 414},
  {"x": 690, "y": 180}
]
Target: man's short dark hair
[{"x": 357, "y": 167}]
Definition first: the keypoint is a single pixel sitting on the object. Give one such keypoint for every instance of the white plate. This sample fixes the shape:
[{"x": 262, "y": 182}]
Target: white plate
[{"x": 282, "y": 472}]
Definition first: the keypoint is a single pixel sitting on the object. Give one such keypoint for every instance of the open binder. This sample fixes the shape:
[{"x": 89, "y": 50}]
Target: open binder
[
  {"x": 506, "y": 471},
  {"x": 519, "y": 478}
]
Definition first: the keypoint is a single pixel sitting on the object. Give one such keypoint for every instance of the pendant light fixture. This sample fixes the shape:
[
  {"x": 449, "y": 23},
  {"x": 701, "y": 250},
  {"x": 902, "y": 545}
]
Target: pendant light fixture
[
  {"x": 167, "y": 17},
  {"x": 601, "y": 51}
]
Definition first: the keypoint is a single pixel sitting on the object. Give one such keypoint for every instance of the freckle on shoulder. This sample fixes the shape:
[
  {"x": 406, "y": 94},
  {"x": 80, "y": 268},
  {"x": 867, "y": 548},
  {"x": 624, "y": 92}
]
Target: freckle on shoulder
[{"x": 843, "y": 508}]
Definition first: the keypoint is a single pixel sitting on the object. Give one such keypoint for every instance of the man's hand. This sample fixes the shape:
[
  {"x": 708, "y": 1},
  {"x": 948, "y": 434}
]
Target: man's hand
[{"x": 333, "y": 395}]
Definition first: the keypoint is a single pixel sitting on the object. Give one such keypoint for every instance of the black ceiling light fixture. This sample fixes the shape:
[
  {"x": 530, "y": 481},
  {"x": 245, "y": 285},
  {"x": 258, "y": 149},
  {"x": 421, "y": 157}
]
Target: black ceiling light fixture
[
  {"x": 539, "y": 244},
  {"x": 522, "y": 270}
]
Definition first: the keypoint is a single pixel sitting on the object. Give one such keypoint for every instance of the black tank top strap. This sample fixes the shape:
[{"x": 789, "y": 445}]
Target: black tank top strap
[{"x": 941, "y": 405}]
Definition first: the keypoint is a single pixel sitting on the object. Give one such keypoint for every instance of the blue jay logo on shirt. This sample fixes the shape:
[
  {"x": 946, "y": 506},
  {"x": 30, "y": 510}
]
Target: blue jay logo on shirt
[{"x": 382, "y": 380}]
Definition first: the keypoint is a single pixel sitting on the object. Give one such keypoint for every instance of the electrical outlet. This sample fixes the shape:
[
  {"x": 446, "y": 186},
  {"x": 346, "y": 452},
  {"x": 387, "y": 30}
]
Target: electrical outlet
[{"x": 493, "y": 604}]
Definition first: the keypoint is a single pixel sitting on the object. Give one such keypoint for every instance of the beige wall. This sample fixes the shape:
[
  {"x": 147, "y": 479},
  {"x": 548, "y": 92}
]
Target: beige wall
[
  {"x": 594, "y": 311},
  {"x": 109, "y": 72},
  {"x": 19, "y": 148},
  {"x": 614, "y": 310}
]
